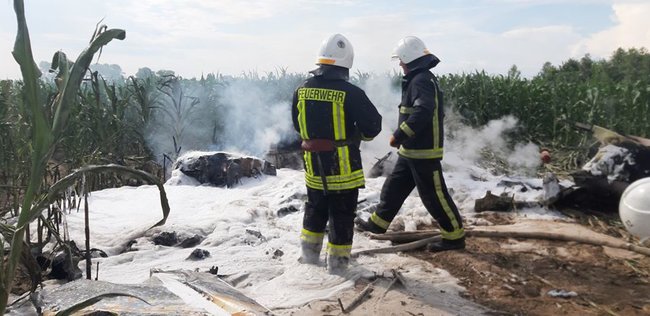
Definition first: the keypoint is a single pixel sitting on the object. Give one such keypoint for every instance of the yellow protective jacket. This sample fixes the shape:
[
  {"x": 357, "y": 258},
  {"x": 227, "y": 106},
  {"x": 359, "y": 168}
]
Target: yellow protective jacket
[{"x": 326, "y": 106}]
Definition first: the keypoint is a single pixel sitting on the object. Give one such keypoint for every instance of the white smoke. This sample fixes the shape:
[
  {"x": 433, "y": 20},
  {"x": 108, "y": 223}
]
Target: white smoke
[
  {"x": 386, "y": 99},
  {"x": 184, "y": 118},
  {"x": 250, "y": 115},
  {"x": 467, "y": 146},
  {"x": 243, "y": 115},
  {"x": 464, "y": 146},
  {"x": 253, "y": 120}
]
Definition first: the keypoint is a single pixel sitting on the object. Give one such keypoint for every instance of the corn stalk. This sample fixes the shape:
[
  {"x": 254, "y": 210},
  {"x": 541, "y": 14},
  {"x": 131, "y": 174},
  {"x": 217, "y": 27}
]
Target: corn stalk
[
  {"x": 45, "y": 133},
  {"x": 72, "y": 310},
  {"x": 58, "y": 188},
  {"x": 181, "y": 111}
]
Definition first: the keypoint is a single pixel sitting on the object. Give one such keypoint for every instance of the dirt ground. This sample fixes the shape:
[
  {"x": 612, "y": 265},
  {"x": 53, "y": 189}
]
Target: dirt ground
[
  {"x": 517, "y": 280},
  {"x": 508, "y": 276}
]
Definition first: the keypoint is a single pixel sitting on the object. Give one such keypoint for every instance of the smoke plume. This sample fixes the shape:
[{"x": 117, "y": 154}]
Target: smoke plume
[
  {"x": 464, "y": 145},
  {"x": 254, "y": 118},
  {"x": 249, "y": 115},
  {"x": 484, "y": 145}
]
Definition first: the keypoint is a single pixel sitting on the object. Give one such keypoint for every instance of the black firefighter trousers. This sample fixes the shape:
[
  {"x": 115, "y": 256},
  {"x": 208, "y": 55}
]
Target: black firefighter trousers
[
  {"x": 337, "y": 208},
  {"x": 426, "y": 175}
]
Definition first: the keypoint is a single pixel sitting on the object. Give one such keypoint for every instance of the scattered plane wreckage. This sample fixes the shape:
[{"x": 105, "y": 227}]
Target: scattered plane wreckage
[
  {"x": 222, "y": 168},
  {"x": 177, "y": 292},
  {"x": 382, "y": 167},
  {"x": 598, "y": 185}
]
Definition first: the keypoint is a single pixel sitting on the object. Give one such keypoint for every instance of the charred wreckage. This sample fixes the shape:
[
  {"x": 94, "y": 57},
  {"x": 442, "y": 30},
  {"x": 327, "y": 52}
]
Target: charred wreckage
[{"x": 222, "y": 168}]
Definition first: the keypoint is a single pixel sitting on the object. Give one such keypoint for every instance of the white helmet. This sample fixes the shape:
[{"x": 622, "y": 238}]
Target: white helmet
[
  {"x": 634, "y": 208},
  {"x": 409, "y": 49},
  {"x": 336, "y": 50}
]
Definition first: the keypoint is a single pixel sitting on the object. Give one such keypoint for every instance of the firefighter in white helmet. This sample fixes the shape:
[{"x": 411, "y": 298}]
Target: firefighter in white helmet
[
  {"x": 336, "y": 50},
  {"x": 419, "y": 138},
  {"x": 332, "y": 117}
]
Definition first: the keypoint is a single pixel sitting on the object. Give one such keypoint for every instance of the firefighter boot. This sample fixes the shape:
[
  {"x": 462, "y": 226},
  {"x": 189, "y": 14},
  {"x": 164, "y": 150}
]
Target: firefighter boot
[
  {"x": 446, "y": 244},
  {"x": 368, "y": 226},
  {"x": 310, "y": 252},
  {"x": 337, "y": 264}
]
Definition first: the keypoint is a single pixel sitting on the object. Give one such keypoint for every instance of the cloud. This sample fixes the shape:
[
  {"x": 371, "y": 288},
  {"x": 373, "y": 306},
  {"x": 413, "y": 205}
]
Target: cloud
[
  {"x": 8, "y": 65},
  {"x": 632, "y": 30},
  {"x": 373, "y": 41},
  {"x": 528, "y": 48},
  {"x": 216, "y": 36},
  {"x": 543, "y": 2},
  {"x": 163, "y": 13},
  {"x": 463, "y": 45},
  {"x": 234, "y": 36},
  {"x": 202, "y": 16}
]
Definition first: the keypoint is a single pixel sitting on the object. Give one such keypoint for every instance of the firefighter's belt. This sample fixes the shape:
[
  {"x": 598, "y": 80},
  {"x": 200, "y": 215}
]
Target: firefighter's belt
[{"x": 320, "y": 145}]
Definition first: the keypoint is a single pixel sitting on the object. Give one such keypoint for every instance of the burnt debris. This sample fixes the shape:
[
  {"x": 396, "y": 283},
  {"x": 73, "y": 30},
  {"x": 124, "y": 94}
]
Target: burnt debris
[
  {"x": 198, "y": 254},
  {"x": 286, "y": 154},
  {"x": 599, "y": 184},
  {"x": 165, "y": 239},
  {"x": 382, "y": 167},
  {"x": 223, "y": 169}
]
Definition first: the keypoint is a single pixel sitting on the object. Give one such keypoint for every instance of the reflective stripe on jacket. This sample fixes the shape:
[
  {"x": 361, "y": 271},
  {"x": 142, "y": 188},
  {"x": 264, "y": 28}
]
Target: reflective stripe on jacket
[
  {"x": 328, "y": 107},
  {"x": 420, "y": 130}
]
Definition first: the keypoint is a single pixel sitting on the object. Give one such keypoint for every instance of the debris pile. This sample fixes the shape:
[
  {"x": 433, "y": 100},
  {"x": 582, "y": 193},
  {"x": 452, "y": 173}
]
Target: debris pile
[
  {"x": 382, "y": 167},
  {"x": 222, "y": 168},
  {"x": 597, "y": 186},
  {"x": 286, "y": 154},
  {"x": 177, "y": 292},
  {"x": 620, "y": 160}
]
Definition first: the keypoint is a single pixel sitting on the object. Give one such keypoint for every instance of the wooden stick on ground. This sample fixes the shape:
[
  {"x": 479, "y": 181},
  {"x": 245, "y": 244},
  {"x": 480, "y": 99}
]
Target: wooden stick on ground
[
  {"x": 401, "y": 278},
  {"x": 397, "y": 277},
  {"x": 357, "y": 299},
  {"x": 560, "y": 237},
  {"x": 341, "y": 305},
  {"x": 498, "y": 234},
  {"x": 404, "y": 247},
  {"x": 389, "y": 286},
  {"x": 404, "y": 237}
]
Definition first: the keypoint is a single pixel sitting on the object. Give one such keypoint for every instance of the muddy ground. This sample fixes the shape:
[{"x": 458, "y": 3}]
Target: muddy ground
[
  {"x": 515, "y": 277},
  {"x": 518, "y": 281},
  {"x": 508, "y": 276},
  {"x": 511, "y": 276}
]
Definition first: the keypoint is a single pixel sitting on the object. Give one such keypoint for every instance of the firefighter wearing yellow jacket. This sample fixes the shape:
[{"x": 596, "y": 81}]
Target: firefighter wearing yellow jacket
[
  {"x": 419, "y": 138},
  {"x": 332, "y": 117}
]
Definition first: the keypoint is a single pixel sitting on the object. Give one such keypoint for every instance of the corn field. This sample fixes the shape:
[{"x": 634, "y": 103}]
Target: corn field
[
  {"x": 145, "y": 121},
  {"x": 35, "y": 117},
  {"x": 612, "y": 93},
  {"x": 110, "y": 121}
]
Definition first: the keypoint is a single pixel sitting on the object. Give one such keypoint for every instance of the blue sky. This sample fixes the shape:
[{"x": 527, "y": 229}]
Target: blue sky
[{"x": 234, "y": 36}]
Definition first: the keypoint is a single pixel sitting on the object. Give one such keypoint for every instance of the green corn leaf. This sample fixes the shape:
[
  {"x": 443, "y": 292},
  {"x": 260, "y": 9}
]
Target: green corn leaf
[
  {"x": 6, "y": 231},
  {"x": 59, "y": 187},
  {"x": 39, "y": 147},
  {"x": 65, "y": 100},
  {"x": 60, "y": 61},
  {"x": 81, "y": 305},
  {"x": 43, "y": 136}
]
